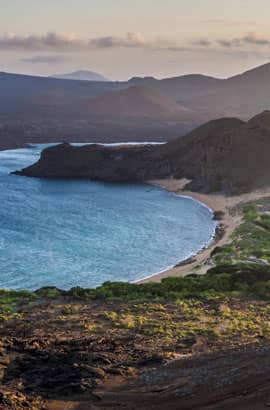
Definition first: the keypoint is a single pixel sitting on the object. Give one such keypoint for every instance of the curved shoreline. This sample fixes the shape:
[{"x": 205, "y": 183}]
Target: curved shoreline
[
  {"x": 218, "y": 204},
  {"x": 191, "y": 257}
]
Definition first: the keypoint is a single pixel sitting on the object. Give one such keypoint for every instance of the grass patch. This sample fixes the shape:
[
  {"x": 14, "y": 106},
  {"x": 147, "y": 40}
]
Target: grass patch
[
  {"x": 9, "y": 301},
  {"x": 183, "y": 319},
  {"x": 250, "y": 241}
]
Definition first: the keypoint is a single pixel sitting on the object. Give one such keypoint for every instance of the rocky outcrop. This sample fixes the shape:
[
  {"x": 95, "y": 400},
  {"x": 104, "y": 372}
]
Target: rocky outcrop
[
  {"x": 70, "y": 353},
  {"x": 99, "y": 163},
  {"x": 226, "y": 155}
]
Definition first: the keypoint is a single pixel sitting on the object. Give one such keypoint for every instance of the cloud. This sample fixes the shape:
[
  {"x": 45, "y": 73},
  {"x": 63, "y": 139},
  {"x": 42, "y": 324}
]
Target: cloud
[
  {"x": 69, "y": 43},
  {"x": 45, "y": 59},
  {"x": 49, "y": 41},
  {"x": 250, "y": 39},
  {"x": 130, "y": 40},
  {"x": 228, "y": 43},
  {"x": 201, "y": 42},
  {"x": 253, "y": 38}
]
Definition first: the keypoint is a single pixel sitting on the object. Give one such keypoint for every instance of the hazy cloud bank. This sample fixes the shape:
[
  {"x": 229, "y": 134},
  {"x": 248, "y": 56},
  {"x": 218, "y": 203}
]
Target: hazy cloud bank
[
  {"x": 67, "y": 43},
  {"x": 45, "y": 59}
]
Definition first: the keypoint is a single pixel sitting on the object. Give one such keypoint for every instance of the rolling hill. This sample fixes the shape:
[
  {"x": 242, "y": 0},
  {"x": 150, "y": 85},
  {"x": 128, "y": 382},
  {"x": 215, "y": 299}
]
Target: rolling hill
[
  {"x": 243, "y": 95},
  {"x": 40, "y": 109},
  {"x": 181, "y": 89},
  {"x": 135, "y": 101}
]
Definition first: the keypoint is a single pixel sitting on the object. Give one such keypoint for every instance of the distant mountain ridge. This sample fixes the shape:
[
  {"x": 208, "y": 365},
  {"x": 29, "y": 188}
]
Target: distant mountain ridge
[
  {"x": 180, "y": 88},
  {"x": 48, "y": 109},
  {"x": 82, "y": 75},
  {"x": 243, "y": 95}
]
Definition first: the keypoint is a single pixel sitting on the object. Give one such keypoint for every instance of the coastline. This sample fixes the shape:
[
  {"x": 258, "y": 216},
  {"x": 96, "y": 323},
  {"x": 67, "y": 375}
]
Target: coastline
[{"x": 228, "y": 221}]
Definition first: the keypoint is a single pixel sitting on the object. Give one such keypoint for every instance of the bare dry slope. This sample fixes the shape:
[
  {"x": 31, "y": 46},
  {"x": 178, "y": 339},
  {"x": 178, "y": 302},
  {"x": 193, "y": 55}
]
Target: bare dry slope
[{"x": 136, "y": 101}]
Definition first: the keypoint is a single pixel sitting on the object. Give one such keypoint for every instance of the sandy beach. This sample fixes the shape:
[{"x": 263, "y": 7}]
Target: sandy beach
[{"x": 229, "y": 221}]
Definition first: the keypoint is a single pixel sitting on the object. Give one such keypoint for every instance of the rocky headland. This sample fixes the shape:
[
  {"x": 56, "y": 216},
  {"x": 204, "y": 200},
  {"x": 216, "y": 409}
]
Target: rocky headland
[{"x": 226, "y": 155}]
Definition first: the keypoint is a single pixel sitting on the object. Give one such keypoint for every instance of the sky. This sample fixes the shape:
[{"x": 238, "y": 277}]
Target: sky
[{"x": 125, "y": 38}]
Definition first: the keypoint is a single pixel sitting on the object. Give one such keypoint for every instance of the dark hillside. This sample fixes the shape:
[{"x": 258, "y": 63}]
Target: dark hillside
[{"x": 225, "y": 155}]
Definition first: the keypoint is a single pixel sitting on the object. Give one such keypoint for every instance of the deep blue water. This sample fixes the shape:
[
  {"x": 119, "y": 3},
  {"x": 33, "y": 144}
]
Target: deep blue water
[{"x": 70, "y": 233}]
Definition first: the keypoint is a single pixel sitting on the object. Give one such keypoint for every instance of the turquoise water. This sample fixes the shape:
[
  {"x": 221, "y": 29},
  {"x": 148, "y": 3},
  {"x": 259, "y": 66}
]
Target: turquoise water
[{"x": 82, "y": 233}]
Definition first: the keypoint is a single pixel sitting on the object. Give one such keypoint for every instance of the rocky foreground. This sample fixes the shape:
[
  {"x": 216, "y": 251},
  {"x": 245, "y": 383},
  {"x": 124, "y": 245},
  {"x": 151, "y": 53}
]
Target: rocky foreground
[
  {"x": 61, "y": 353},
  {"x": 196, "y": 342}
]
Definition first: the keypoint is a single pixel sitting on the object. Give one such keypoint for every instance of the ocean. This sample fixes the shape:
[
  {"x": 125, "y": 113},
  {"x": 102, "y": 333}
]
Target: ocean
[{"x": 68, "y": 233}]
